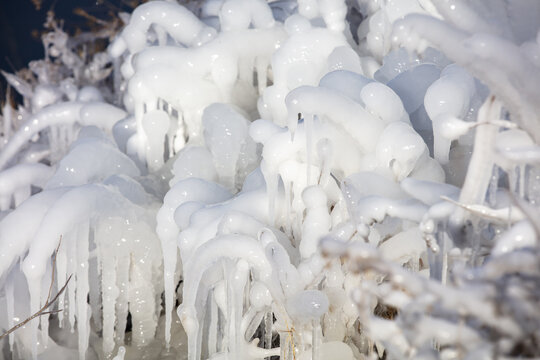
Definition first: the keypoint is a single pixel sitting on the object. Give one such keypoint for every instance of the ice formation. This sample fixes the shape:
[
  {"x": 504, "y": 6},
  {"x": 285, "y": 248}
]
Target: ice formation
[{"x": 310, "y": 179}]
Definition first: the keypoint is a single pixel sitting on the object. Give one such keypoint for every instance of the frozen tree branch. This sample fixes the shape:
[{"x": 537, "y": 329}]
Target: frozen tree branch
[{"x": 48, "y": 302}]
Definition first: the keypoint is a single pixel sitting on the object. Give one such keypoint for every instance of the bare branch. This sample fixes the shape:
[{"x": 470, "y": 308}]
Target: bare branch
[{"x": 48, "y": 303}]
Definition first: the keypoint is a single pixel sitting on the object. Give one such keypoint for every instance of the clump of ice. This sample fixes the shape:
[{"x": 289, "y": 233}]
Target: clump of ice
[{"x": 191, "y": 172}]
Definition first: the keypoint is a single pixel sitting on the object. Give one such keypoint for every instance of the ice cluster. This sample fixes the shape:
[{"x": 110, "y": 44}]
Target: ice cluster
[{"x": 310, "y": 179}]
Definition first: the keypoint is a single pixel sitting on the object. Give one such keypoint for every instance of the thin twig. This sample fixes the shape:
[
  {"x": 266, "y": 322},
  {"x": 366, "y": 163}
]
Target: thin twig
[
  {"x": 510, "y": 214},
  {"x": 49, "y": 301}
]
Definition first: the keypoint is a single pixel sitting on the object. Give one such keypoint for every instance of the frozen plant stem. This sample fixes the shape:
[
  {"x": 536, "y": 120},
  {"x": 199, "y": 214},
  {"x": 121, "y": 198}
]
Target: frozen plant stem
[
  {"x": 482, "y": 159},
  {"x": 199, "y": 176},
  {"x": 316, "y": 339}
]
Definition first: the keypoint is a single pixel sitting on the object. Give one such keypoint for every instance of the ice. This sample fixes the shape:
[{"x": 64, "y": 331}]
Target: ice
[
  {"x": 226, "y": 135},
  {"x": 167, "y": 229},
  {"x": 10, "y": 307},
  {"x": 448, "y": 96},
  {"x": 242, "y": 179},
  {"x": 80, "y": 166},
  {"x": 13, "y": 190},
  {"x": 169, "y": 16},
  {"x": 260, "y": 296},
  {"x": 299, "y": 61},
  {"x": 347, "y": 82},
  {"x": 507, "y": 142},
  {"x": 99, "y": 114},
  {"x": 450, "y": 40},
  {"x": 205, "y": 256},
  {"x": 121, "y": 353},
  {"x": 194, "y": 161},
  {"x": 18, "y": 228},
  {"x": 83, "y": 320},
  {"x": 142, "y": 300},
  {"x": 91, "y": 198},
  {"x": 240, "y": 14},
  {"x": 521, "y": 235},
  {"x": 350, "y": 115},
  {"x": 109, "y": 295},
  {"x": 333, "y": 14},
  {"x": 344, "y": 58},
  {"x": 411, "y": 86},
  {"x": 428, "y": 192},
  {"x": 45, "y": 95},
  {"x": 463, "y": 16},
  {"x": 317, "y": 221},
  {"x": 308, "y": 305},
  {"x": 22, "y": 87},
  {"x": 122, "y": 282},
  {"x": 476, "y": 184},
  {"x": 375, "y": 33},
  {"x": 155, "y": 125},
  {"x": 404, "y": 247},
  {"x": 401, "y": 150}
]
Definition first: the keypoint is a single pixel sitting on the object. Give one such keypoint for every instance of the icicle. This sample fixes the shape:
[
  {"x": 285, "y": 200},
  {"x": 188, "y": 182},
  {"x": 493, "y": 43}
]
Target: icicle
[
  {"x": 261, "y": 66},
  {"x": 54, "y": 141},
  {"x": 268, "y": 325},
  {"x": 169, "y": 268},
  {"x": 213, "y": 327},
  {"x": 121, "y": 353},
  {"x": 180, "y": 134},
  {"x": 251, "y": 322},
  {"x": 122, "y": 280},
  {"x": 71, "y": 250},
  {"x": 34, "y": 288},
  {"x": 288, "y": 214},
  {"x": 237, "y": 284},
  {"x": 10, "y": 304},
  {"x": 309, "y": 119},
  {"x": 155, "y": 124},
  {"x": 444, "y": 252},
  {"x": 83, "y": 321},
  {"x": 95, "y": 288},
  {"x": 513, "y": 180},
  {"x": 142, "y": 301},
  {"x": 140, "y": 137},
  {"x": 225, "y": 300},
  {"x": 186, "y": 190},
  {"x": 109, "y": 295},
  {"x": 325, "y": 154},
  {"x": 272, "y": 183},
  {"x": 316, "y": 339},
  {"x": 522, "y": 174},
  {"x": 317, "y": 222},
  {"x": 46, "y": 287},
  {"x": 493, "y": 186}
]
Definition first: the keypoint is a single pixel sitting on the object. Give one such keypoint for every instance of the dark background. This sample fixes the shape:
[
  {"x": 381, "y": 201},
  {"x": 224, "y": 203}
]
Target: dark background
[{"x": 21, "y": 26}]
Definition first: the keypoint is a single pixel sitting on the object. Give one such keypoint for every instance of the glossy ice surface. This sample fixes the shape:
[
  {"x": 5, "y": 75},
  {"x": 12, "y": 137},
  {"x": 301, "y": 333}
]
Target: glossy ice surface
[{"x": 311, "y": 179}]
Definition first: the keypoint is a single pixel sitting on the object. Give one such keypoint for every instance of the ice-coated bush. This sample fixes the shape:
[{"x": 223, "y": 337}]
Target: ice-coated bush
[{"x": 310, "y": 179}]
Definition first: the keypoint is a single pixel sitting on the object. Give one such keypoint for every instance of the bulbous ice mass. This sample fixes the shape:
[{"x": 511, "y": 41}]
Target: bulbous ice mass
[{"x": 302, "y": 179}]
